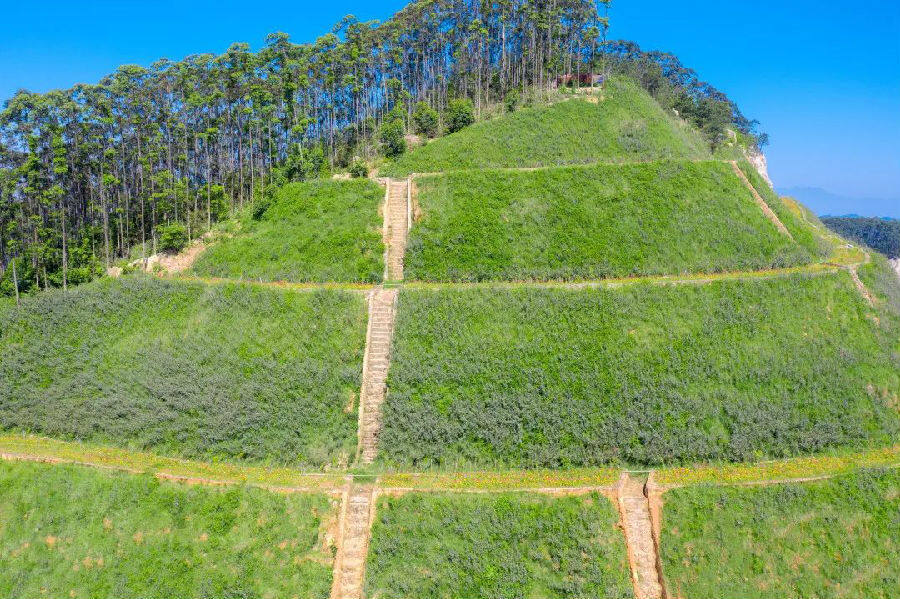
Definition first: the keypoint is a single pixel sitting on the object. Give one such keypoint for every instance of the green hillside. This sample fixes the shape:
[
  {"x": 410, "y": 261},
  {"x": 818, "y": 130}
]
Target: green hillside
[
  {"x": 592, "y": 222},
  {"x": 829, "y": 539},
  {"x": 627, "y": 125},
  {"x": 206, "y": 371},
  {"x": 642, "y": 375},
  {"x": 505, "y": 545},
  {"x": 317, "y": 231},
  {"x": 68, "y": 531}
]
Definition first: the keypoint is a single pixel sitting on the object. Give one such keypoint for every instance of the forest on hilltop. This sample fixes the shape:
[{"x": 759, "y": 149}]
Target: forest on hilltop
[{"x": 152, "y": 157}]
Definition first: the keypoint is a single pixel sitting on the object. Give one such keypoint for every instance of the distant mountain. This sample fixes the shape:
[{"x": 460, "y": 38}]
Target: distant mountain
[{"x": 822, "y": 201}]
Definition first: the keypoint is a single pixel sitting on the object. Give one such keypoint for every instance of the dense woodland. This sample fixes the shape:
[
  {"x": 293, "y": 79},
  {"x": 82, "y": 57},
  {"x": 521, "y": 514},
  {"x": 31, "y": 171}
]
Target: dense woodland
[
  {"x": 97, "y": 173},
  {"x": 880, "y": 234}
]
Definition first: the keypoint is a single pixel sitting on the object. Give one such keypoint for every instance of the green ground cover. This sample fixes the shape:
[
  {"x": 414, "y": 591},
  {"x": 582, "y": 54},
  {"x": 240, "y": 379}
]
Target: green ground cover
[
  {"x": 627, "y": 125},
  {"x": 68, "y": 531},
  {"x": 229, "y": 371},
  {"x": 444, "y": 546},
  {"x": 831, "y": 539},
  {"x": 802, "y": 231},
  {"x": 589, "y": 222},
  {"x": 641, "y": 375},
  {"x": 317, "y": 231}
]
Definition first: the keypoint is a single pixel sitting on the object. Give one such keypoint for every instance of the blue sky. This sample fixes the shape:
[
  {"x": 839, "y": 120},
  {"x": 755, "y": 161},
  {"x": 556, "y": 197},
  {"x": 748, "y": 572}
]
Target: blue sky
[{"x": 822, "y": 77}]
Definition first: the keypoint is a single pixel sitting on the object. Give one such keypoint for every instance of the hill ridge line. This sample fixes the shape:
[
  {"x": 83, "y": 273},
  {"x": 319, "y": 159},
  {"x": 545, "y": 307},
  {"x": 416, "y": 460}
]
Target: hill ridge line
[{"x": 760, "y": 201}]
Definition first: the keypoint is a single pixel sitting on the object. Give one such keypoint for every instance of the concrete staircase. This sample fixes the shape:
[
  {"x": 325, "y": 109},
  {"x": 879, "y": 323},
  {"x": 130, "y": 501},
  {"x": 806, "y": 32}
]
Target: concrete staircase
[
  {"x": 382, "y": 307},
  {"x": 638, "y": 526},
  {"x": 356, "y": 527},
  {"x": 397, "y": 226}
]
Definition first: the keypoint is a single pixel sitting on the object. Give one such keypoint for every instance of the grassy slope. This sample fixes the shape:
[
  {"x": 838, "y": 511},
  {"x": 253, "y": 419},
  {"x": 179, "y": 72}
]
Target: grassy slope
[
  {"x": 318, "y": 231},
  {"x": 627, "y": 125},
  {"x": 592, "y": 222},
  {"x": 794, "y": 221},
  {"x": 829, "y": 539},
  {"x": 67, "y": 531},
  {"x": 735, "y": 370},
  {"x": 230, "y": 371},
  {"x": 437, "y": 546}
]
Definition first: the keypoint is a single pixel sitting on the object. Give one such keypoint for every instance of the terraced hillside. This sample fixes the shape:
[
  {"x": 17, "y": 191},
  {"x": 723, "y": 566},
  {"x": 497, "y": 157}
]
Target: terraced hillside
[
  {"x": 627, "y": 125},
  {"x": 461, "y": 429}
]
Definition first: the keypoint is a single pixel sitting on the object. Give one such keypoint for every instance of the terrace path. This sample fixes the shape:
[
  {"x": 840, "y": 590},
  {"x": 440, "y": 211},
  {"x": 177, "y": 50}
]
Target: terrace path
[
  {"x": 356, "y": 525},
  {"x": 397, "y": 220},
  {"x": 760, "y": 201},
  {"x": 642, "y": 554},
  {"x": 382, "y": 309}
]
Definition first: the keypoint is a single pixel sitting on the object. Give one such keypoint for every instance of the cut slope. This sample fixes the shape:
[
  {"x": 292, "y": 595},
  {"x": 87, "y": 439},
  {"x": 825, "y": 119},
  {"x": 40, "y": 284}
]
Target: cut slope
[
  {"x": 231, "y": 371},
  {"x": 451, "y": 546},
  {"x": 317, "y": 231},
  {"x": 827, "y": 539},
  {"x": 75, "y": 532},
  {"x": 627, "y": 125},
  {"x": 644, "y": 374},
  {"x": 589, "y": 222}
]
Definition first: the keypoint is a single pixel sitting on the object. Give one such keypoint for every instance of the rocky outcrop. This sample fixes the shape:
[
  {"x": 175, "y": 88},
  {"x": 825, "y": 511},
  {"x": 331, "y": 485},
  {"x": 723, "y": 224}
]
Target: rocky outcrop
[
  {"x": 759, "y": 162},
  {"x": 896, "y": 264}
]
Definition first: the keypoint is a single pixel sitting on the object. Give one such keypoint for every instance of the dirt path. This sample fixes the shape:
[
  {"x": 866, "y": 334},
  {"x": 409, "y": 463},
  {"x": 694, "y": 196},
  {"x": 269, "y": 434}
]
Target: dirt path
[
  {"x": 638, "y": 526},
  {"x": 382, "y": 308},
  {"x": 861, "y": 286},
  {"x": 353, "y": 542},
  {"x": 760, "y": 201},
  {"x": 397, "y": 219}
]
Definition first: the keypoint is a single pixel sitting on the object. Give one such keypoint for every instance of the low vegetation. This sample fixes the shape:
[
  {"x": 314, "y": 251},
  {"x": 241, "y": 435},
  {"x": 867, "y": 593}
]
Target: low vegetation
[
  {"x": 427, "y": 546},
  {"x": 68, "y": 531},
  {"x": 791, "y": 215},
  {"x": 307, "y": 232},
  {"x": 829, "y": 539},
  {"x": 592, "y": 222},
  {"x": 232, "y": 371},
  {"x": 880, "y": 234},
  {"x": 626, "y": 125},
  {"x": 641, "y": 375}
]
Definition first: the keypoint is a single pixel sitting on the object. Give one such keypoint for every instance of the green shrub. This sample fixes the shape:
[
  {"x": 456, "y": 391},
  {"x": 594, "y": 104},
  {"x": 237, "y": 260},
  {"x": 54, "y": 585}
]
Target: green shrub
[
  {"x": 444, "y": 546},
  {"x": 317, "y": 231},
  {"x": 230, "y": 371},
  {"x": 73, "y": 531},
  {"x": 829, "y": 539},
  {"x": 640, "y": 375},
  {"x": 512, "y": 100},
  {"x": 460, "y": 114},
  {"x": 392, "y": 138},
  {"x": 425, "y": 119},
  {"x": 172, "y": 237},
  {"x": 359, "y": 169},
  {"x": 592, "y": 222}
]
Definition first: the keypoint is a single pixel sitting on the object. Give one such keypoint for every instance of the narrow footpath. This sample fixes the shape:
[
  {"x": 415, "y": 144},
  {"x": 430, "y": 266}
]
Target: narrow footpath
[
  {"x": 770, "y": 214},
  {"x": 397, "y": 226},
  {"x": 642, "y": 556},
  {"x": 356, "y": 525}
]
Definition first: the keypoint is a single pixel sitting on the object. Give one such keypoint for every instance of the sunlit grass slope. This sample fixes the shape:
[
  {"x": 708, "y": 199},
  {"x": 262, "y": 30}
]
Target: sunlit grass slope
[
  {"x": 830, "y": 539},
  {"x": 203, "y": 371},
  {"x": 437, "y": 546},
  {"x": 627, "y": 125},
  {"x": 595, "y": 221},
  {"x": 317, "y": 231},
  {"x": 67, "y": 531},
  {"x": 641, "y": 375}
]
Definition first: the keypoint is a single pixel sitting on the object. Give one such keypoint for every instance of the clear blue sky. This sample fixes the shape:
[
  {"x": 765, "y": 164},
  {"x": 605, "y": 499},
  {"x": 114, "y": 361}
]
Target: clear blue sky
[{"x": 822, "y": 76}]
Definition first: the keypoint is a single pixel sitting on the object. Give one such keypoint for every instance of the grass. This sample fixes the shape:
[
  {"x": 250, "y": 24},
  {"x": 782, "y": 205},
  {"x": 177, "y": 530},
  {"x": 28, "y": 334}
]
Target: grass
[
  {"x": 627, "y": 125},
  {"x": 318, "y": 231},
  {"x": 439, "y": 546},
  {"x": 829, "y": 539},
  {"x": 643, "y": 375},
  {"x": 67, "y": 531},
  {"x": 503, "y": 481},
  {"x": 791, "y": 214},
  {"x": 236, "y": 372},
  {"x": 592, "y": 222}
]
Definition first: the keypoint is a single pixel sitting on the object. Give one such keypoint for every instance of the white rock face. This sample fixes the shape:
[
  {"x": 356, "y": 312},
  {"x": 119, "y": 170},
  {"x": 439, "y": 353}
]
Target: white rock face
[
  {"x": 758, "y": 160},
  {"x": 896, "y": 264}
]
